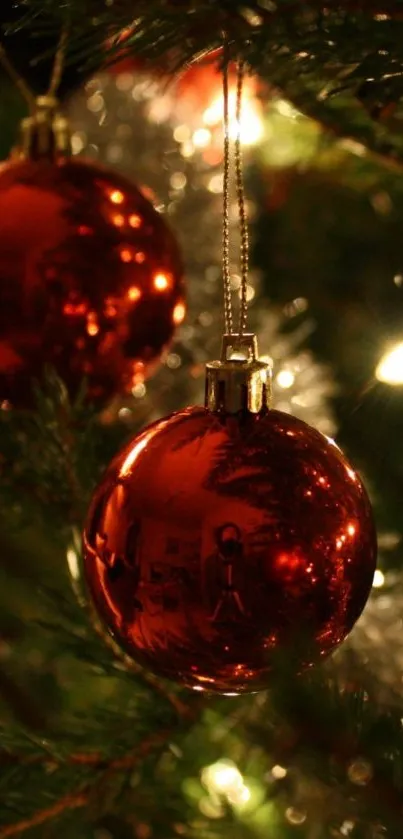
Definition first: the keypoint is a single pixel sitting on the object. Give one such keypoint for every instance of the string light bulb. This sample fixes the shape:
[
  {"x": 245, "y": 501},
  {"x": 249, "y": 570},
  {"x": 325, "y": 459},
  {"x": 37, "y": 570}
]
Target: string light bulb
[
  {"x": 224, "y": 778},
  {"x": 390, "y": 368}
]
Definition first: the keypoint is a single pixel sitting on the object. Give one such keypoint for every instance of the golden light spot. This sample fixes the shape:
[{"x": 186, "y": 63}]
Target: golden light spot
[
  {"x": 135, "y": 221},
  {"x": 351, "y": 529},
  {"x": 134, "y": 293},
  {"x": 379, "y": 579},
  {"x": 179, "y": 313},
  {"x": 116, "y": 196},
  {"x": 140, "y": 257},
  {"x": 126, "y": 255},
  {"x": 92, "y": 323},
  {"x": 118, "y": 220},
  {"x": 285, "y": 379},
  {"x": 161, "y": 282},
  {"x": 390, "y": 367}
]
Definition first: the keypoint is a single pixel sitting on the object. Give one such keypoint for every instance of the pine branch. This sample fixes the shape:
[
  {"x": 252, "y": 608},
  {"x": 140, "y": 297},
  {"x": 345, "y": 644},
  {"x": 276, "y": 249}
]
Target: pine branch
[
  {"x": 339, "y": 62},
  {"x": 69, "y": 802},
  {"x": 81, "y": 797}
]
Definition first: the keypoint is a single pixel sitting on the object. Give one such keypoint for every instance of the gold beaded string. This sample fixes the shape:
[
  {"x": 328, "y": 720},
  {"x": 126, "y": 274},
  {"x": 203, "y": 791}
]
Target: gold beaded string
[
  {"x": 243, "y": 221},
  {"x": 226, "y": 187}
]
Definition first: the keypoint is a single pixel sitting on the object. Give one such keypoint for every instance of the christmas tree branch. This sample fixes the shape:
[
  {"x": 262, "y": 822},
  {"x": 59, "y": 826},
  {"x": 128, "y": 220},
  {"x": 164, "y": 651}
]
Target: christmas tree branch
[
  {"x": 69, "y": 802},
  {"x": 81, "y": 796},
  {"x": 338, "y": 62}
]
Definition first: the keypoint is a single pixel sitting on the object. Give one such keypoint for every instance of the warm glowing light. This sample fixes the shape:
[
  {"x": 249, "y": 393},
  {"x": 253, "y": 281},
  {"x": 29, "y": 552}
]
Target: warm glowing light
[
  {"x": 201, "y": 138},
  {"x": 117, "y": 196},
  {"x": 251, "y": 128},
  {"x": 390, "y": 367},
  {"x": 215, "y": 111},
  {"x": 92, "y": 324},
  {"x": 182, "y": 133},
  {"x": 216, "y": 184},
  {"x": 285, "y": 379},
  {"x": 179, "y": 314},
  {"x": 222, "y": 776},
  {"x": 140, "y": 258},
  {"x": 118, "y": 220},
  {"x": 135, "y": 221},
  {"x": 139, "y": 390},
  {"x": 251, "y": 125},
  {"x": 161, "y": 282},
  {"x": 351, "y": 529},
  {"x": 134, "y": 293},
  {"x": 379, "y": 579},
  {"x": 278, "y": 772},
  {"x": 126, "y": 255},
  {"x": 240, "y": 795}
]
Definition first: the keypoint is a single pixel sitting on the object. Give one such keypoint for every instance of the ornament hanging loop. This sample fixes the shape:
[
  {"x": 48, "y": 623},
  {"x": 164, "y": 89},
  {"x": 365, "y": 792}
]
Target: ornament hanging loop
[
  {"x": 240, "y": 381},
  {"x": 45, "y": 134}
]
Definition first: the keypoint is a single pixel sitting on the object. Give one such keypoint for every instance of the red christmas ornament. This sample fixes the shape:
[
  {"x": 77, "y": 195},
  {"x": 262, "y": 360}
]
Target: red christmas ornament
[
  {"x": 220, "y": 539},
  {"x": 90, "y": 278}
]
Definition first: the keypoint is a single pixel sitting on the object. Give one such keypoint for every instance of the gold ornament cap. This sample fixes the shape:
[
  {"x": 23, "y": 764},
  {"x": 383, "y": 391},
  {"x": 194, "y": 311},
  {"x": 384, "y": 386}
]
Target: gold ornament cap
[
  {"x": 45, "y": 134},
  {"x": 240, "y": 381}
]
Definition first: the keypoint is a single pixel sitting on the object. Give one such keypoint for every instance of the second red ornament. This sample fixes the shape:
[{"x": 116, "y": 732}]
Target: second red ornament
[{"x": 91, "y": 277}]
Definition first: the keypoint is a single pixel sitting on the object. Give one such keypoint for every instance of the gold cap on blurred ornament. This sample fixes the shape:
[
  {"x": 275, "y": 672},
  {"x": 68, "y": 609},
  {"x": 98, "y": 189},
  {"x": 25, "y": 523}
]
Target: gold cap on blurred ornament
[
  {"x": 45, "y": 133},
  {"x": 240, "y": 381}
]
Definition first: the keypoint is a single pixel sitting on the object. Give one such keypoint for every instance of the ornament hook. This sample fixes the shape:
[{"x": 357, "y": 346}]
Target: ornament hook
[{"x": 240, "y": 381}]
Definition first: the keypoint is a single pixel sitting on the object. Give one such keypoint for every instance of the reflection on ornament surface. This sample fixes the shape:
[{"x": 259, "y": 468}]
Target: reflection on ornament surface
[
  {"x": 213, "y": 544},
  {"x": 90, "y": 279}
]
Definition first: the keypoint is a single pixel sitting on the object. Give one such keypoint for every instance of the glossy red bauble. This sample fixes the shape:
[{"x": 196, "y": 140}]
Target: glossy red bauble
[
  {"x": 90, "y": 279},
  {"x": 215, "y": 545}
]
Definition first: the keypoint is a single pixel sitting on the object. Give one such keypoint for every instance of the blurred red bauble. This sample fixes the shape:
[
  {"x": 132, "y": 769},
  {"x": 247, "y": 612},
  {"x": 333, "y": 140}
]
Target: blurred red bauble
[
  {"x": 217, "y": 544},
  {"x": 90, "y": 279}
]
